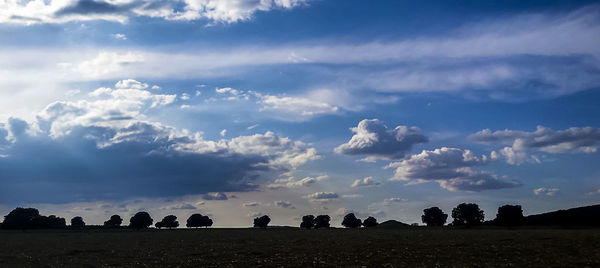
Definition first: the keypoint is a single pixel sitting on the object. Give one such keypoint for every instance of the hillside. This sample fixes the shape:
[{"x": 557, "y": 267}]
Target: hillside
[{"x": 580, "y": 216}]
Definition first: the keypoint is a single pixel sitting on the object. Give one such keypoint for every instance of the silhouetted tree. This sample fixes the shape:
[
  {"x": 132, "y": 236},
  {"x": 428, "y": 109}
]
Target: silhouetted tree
[
  {"x": 467, "y": 214},
  {"x": 140, "y": 220},
  {"x": 434, "y": 216},
  {"x": 168, "y": 222},
  {"x": 262, "y": 221},
  {"x": 114, "y": 221},
  {"x": 197, "y": 220},
  {"x": 52, "y": 221},
  {"x": 322, "y": 221},
  {"x": 350, "y": 221},
  {"x": 307, "y": 222},
  {"x": 77, "y": 222},
  {"x": 20, "y": 218},
  {"x": 30, "y": 218},
  {"x": 370, "y": 222},
  {"x": 509, "y": 215}
]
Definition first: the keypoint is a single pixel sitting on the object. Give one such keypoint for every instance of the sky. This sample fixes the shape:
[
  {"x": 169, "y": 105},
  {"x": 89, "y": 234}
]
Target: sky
[{"x": 242, "y": 108}]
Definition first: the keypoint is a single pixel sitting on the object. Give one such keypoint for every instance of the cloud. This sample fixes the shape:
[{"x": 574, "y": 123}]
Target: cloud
[
  {"x": 368, "y": 181},
  {"x": 300, "y": 108},
  {"x": 546, "y": 191},
  {"x": 376, "y": 141},
  {"x": 184, "y": 207},
  {"x": 452, "y": 168},
  {"x": 59, "y": 11},
  {"x": 284, "y": 204},
  {"x": 543, "y": 139},
  {"x": 223, "y": 132},
  {"x": 100, "y": 148},
  {"x": 215, "y": 196},
  {"x": 291, "y": 182},
  {"x": 107, "y": 63},
  {"x": 392, "y": 200},
  {"x": 119, "y": 36},
  {"x": 250, "y": 204},
  {"x": 322, "y": 196}
]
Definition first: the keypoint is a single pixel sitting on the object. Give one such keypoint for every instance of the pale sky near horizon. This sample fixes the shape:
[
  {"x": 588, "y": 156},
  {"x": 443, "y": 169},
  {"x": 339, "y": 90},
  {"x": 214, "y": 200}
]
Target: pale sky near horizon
[{"x": 240, "y": 108}]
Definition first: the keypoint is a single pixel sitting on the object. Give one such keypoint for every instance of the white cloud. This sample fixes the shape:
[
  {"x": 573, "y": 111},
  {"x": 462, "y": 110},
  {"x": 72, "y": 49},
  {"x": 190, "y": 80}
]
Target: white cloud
[
  {"x": 322, "y": 196},
  {"x": 130, "y": 84},
  {"x": 451, "y": 168},
  {"x": 546, "y": 191},
  {"x": 298, "y": 107},
  {"x": 392, "y": 200},
  {"x": 543, "y": 139},
  {"x": 291, "y": 182},
  {"x": 62, "y": 11},
  {"x": 365, "y": 182},
  {"x": 119, "y": 36},
  {"x": 109, "y": 63},
  {"x": 375, "y": 140},
  {"x": 223, "y": 132}
]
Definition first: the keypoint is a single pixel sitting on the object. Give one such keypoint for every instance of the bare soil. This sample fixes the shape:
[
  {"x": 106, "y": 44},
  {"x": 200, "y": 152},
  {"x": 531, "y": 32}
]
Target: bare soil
[{"x": 409, "y": 247}]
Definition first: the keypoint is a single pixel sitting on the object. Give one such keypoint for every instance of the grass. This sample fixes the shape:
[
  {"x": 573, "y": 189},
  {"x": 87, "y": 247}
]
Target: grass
[{"x": 409, "y": 247}]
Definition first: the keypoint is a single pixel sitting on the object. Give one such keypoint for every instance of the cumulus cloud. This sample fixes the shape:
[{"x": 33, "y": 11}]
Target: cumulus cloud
[
  {"x": 365, "y": 182},
  {"x": 452, "y": 168},
  {"x": 375, "y": 140},
  {"x": 301, "y": 108},
  {"x": 106, "y": 63},
  {"x": 546, "y": 191},
  {"x": 291, "y": 182},
  {"x": 101, "y": 148},
  {"x": 60, "y": 11},
  {"x": 543, "y": 139},
  {"x": 322, "y": 196}
]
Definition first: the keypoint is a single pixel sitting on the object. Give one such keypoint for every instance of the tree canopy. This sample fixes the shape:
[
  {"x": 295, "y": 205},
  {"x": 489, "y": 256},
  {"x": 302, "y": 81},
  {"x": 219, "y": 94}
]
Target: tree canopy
[
  {"x": 350, "y": 221},
  {"x": 77, "y": 222},
  {"x": 262, "y": 221},
  {"x": 322, "y": 221},
  {"x": 30, "y": 218},
  {"x": 467, "y": 214},
  {"x": 370, "y": 222},
  {"x": 114, "y": 221},
  {"x": 307, "y": 222},
  {"x": 168, "y": 222},
  {"x": 140, "y": 220},
  {"x": 509, "y": 215},
  {"x": 434, "y": 216},
  {"x": 197, "y": 220}
]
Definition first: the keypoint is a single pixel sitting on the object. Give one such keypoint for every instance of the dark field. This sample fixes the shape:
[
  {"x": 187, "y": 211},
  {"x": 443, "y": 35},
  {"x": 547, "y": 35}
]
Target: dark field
[{"x": 411, "y": 247}]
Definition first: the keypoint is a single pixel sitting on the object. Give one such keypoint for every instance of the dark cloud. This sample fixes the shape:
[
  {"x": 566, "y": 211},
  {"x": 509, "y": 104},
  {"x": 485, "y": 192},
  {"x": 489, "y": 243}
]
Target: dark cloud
[
  {"x": 374, "y": 139},
  {"x": 87, "y": 7},
  {"x": 452, "y": 168},
  {"x": 141, "y": 163}
]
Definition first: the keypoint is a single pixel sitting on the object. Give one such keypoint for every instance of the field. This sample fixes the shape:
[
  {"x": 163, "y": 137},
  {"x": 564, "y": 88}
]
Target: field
[{"x": 409, "y": 247}]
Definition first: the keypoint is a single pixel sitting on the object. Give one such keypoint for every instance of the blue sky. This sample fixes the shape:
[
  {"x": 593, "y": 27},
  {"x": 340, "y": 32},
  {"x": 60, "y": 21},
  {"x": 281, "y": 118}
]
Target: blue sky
[{"x": 293, "y": 107}]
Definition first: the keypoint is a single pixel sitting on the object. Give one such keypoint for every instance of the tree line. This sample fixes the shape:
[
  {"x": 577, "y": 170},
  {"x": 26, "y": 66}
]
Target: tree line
[{"x": 465, "y": 214}]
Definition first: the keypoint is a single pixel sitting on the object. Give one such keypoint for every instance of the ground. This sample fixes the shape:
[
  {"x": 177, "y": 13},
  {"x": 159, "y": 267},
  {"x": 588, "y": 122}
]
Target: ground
[{"x": 409, "y": 247}]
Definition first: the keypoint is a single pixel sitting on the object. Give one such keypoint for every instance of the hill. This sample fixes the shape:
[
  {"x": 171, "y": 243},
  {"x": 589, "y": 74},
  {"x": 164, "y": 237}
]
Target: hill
[
  {"x": 580, "y": 216},
  {"x": 392, "y": 224}
]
